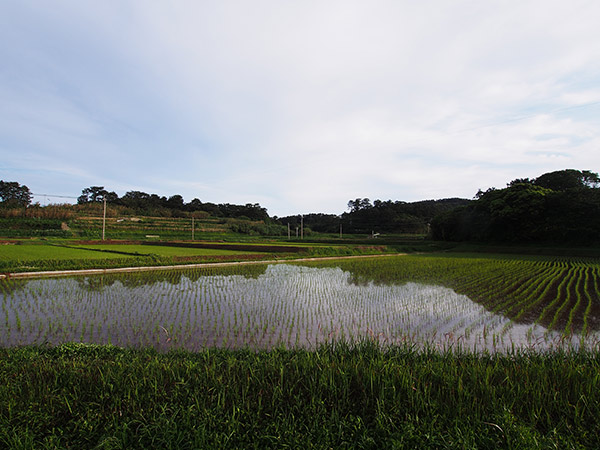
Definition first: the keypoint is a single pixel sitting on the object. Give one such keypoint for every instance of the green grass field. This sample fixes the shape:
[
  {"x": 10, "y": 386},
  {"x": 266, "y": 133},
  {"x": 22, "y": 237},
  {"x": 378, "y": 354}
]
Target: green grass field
[
  {"x": 64, "y": 255},
  {"x": 337, "y": 396},
  {"x": 76, "y": 396},
  {"x": 162, "y": 250},
  {"x": 44, "y": 251}
]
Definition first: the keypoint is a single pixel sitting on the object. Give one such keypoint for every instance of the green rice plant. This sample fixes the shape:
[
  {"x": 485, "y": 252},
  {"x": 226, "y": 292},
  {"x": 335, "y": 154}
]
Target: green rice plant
[
  {"x": 523, "y": 289},
  {"x": 572, "y": 277},
  {"x": 587, "y": 295},
  {"x": 582, "y": 278},
  {"x": 317, "y": 304},
  {"x": 540, "y": 290}
]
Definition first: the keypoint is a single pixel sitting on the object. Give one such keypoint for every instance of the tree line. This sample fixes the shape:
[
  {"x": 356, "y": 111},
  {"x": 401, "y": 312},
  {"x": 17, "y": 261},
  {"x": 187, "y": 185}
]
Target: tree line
[
  {"x": 15, "y": 195},
  {"x": 561, "y": 206},
  {"x": 153, "y": 204},
  {"x": 379, "y": 216}
]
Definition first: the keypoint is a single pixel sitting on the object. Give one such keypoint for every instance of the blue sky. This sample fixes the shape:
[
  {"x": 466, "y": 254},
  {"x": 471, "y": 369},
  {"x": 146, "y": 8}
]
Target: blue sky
[{"x": 297, "y": 105}]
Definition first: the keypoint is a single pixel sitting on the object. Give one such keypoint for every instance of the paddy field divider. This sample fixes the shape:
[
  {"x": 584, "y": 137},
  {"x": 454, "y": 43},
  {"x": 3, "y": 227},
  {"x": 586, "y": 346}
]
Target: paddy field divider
[{"x": 76, "y": 272}]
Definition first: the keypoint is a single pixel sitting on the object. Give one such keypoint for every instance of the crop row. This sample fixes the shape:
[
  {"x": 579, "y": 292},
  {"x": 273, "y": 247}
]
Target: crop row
[
  {"x": 561, "y": 295},
  {"x": 480, "y": 303}
]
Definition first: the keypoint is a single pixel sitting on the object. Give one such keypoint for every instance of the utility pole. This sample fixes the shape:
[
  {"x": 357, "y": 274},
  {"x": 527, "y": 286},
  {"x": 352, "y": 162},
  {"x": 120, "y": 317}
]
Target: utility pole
[
  {"x": 289, "y": 235},
  {"x": 301, "y": 227},
  {"x": 104, "y": 219},
  {"x": 192, "y": 228}
]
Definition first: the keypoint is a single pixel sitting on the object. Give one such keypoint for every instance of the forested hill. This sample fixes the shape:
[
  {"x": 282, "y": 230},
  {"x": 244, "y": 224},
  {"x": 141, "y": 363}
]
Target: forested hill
[
  {"x": 152, "y": 204},
  {"x": 379, "y": 217},
  {"x": 557, "y": 207},
  {"x": 363, "y": 216}
]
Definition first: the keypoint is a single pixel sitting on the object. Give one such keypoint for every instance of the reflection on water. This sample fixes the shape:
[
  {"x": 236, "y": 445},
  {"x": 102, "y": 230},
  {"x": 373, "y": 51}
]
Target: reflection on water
[{"x": 279, "y": 305}]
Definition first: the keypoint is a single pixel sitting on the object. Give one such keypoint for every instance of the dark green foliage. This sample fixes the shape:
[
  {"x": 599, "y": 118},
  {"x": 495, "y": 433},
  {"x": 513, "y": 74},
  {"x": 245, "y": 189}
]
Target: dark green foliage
[
  {"x": 154, "y": 205},
  {"x": 561, "y": 206},
  {"x": 321, "y": 223},
  {"x": 31, "y": 227},
  {"x": 12, "y": 194},
  {"x": 379, "y": 217},
  {"x": 565, "y": 180},
  {"x": 257, "y": 228},
  {"x": 395, "y": 217},
  {"x": 96, "y": 194},
  {"x": 79, "y": 396}
]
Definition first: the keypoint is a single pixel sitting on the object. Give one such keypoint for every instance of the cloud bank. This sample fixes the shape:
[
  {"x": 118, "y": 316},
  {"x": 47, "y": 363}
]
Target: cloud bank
[{"x": 299, "y": 106}]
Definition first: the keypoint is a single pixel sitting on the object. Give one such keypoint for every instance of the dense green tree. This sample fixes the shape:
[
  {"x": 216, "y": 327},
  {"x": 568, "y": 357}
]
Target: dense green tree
[
  {"x": 319, "y": 222},
  {"x": 144, "y": 203},
  {"x": 194, "y": 205},
  {"x": 12, "y": 194},
  {"x": 394, "y": 216},
  {"x": 136, "y": 199},
  {"x": 358, "y": 204},
  {"x": 515, "y": 213},
  {"x": 519, "y": 181},
  {"x": 561, "y": 206},
  {"x": 175, "y": 202},
  {"x": 251, "y": 211},
  {"x": 563, "y": 180},
  {"x": 96, "y": 194}
]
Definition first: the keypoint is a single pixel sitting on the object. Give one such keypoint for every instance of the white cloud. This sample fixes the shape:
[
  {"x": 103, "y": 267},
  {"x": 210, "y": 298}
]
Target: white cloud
[{"x": 301, "y": 106}]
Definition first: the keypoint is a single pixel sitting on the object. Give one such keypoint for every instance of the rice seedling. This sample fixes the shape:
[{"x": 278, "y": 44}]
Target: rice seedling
[{"x": 491, "y": 304}]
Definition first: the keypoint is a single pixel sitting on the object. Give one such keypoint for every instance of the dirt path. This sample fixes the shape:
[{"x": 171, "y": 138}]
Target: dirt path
[{"x": 62, "y": 273}]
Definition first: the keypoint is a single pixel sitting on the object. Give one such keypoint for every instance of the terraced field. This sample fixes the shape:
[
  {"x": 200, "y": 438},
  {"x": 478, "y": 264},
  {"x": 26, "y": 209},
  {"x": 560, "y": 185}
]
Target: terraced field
[{"x": 140, "y": 227}]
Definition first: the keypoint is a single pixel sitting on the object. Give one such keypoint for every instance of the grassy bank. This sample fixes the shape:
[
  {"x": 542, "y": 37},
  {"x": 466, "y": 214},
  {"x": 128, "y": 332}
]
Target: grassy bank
[
  {"x": 76, "y": 396},
  {"x": 38, "y": 255}
]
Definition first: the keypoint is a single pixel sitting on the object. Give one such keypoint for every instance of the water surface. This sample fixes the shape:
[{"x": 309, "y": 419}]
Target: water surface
[{"x": 281, "y": 305}]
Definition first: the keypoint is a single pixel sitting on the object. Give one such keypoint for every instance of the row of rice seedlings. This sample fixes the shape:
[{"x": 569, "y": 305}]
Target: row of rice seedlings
[
  {"x": 494, "y": 290},
  {"x": 527, "y": 294},
  {"x": 519, "y": 288},
  {"x": 532, "y": 306},
  {"x": 538, "y": 288},
  {"x": 285, "y": 306},
  {"x": 592, "y": 282},
  {"x": 536, "y": 291},
  {"x": 480, "y": 283},
  {"x": 578, "y": 288},
  {"x": 586, "y": 293},
  {"x": 548, "y": 312},
  {"x": 531, "y": 291},
  {"x": 564, "y": 306}
]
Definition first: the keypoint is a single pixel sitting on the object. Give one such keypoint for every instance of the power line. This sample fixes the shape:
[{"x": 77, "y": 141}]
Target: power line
[{"x": 53, "y": 196}]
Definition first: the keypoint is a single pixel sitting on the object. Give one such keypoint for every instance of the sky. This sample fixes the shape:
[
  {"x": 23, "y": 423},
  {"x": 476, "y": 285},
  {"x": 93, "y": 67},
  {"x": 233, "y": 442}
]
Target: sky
[{"x": 297, "y": 105}]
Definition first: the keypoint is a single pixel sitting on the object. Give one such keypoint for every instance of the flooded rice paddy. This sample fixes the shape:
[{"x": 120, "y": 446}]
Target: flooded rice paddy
[{"x": 280, "y": 305}]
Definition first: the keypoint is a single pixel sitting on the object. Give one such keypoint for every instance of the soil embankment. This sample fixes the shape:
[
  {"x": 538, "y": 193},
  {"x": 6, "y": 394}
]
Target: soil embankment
[{"x": 62, "y": 273}]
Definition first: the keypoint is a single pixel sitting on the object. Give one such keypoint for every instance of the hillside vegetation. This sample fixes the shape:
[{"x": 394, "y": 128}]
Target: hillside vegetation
[
  {"x": 557, "y": 207},
  {"x": 562, "y": 206}
]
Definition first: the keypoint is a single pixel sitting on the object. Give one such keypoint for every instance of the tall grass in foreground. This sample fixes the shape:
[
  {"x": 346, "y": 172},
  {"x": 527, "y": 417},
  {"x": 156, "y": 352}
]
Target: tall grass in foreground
[{"x": 362, "y": 396}]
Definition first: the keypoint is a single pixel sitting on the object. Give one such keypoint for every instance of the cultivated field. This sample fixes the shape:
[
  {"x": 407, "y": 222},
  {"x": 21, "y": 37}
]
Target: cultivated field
[
  {"x": 62, "y": 254},
  {"x": 416, "y": 351},
  {"x": 493, "y": 303}
]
